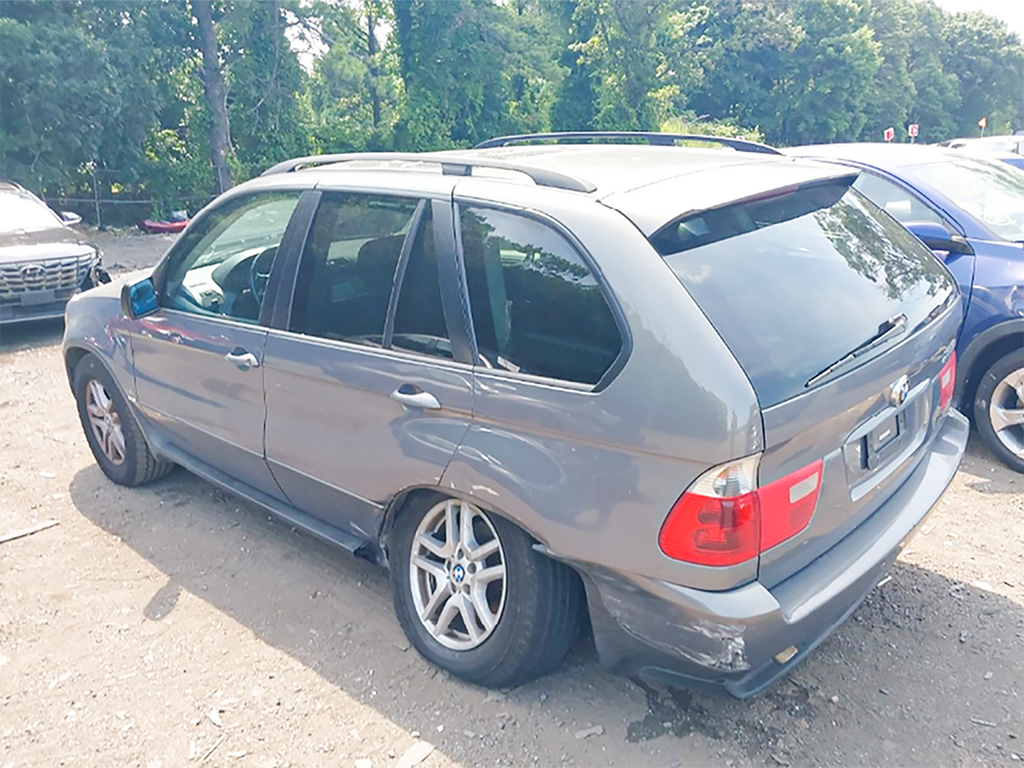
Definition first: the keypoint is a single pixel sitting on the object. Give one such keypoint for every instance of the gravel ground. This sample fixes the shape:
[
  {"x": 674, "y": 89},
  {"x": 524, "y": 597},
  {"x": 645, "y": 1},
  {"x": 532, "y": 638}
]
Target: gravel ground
[{"x": 175, "y": 625}]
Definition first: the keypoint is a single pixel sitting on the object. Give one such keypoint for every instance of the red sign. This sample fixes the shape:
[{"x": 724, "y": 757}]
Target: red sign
[
  {"x": 889, "y": 134},
  {"x": 912, "y": 130}
]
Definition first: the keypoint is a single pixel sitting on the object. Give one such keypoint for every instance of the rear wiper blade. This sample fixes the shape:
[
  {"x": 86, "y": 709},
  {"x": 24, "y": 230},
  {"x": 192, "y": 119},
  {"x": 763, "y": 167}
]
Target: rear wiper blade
[{"x": 894, "y": 326}]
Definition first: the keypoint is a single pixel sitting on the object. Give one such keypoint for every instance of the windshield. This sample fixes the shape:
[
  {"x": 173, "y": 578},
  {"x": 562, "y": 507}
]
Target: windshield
[
  {"x": 991, "y": 191},
  {"x": 21, "y": 213},
  {"x": 797, "y": 281}
]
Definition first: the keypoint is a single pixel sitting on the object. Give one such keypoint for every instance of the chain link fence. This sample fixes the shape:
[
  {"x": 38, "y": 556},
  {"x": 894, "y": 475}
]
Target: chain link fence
[{"x": 115, "y": 204}]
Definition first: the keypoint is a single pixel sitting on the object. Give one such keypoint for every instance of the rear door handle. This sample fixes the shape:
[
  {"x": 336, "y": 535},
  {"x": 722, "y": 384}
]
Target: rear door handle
[
  {"x": 417, "y": 398},
  {"x": 242, "y": 358}
]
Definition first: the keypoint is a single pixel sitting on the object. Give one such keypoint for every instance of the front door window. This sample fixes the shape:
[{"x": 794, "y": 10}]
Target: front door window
[{"x": 223, "y": 264}]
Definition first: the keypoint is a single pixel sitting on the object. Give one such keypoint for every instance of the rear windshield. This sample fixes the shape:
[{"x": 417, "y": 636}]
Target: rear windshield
[{"x": 797, "y": 281}]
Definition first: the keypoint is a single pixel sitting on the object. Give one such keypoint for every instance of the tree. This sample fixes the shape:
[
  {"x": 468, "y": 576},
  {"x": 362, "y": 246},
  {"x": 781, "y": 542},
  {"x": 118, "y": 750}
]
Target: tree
[
  {"x": 802, "y": 70},
  {"x": 988, "y": 61},
  {"x": 216, "y": 92},
  {"x": 355, "y": 93},
  {"x": 645, "y": 58},
  {"x": 472, "y": 69}
]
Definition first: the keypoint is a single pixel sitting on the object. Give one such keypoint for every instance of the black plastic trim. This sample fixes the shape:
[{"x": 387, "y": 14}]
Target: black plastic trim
[
  {"x": 277, "y": 304},
  {"x": 454, "y": 292},
  {"x": 400, "y": 267}
]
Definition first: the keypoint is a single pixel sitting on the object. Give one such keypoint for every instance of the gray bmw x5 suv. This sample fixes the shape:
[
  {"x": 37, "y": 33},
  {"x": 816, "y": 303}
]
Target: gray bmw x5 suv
[{"x": 700, "y": 395}]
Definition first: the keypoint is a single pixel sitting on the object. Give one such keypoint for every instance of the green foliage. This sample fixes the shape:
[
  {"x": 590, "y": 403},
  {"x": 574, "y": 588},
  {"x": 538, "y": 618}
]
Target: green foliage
[
  {"x": 988, "y": 62},
  {"x": 472, "y": 69},
  {"x": 690, "y": 123},
  {"x": 117, "y": 86}
]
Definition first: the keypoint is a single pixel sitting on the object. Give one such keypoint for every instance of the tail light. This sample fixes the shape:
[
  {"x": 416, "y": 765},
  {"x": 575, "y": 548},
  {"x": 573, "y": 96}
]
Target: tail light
[
  {"x": 947, "y": 380},
  {"x": 725, "y": 519}
]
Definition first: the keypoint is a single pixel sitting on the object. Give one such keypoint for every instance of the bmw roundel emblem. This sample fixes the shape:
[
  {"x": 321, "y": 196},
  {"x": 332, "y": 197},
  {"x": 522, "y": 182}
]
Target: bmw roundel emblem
[
  {"x": 458, "y": 573},
  {"x": 899, "y": 390}
]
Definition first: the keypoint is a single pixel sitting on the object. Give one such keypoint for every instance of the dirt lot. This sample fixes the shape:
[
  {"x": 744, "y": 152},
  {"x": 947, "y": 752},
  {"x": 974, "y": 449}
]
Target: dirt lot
[{"x": 152, "y": 626}]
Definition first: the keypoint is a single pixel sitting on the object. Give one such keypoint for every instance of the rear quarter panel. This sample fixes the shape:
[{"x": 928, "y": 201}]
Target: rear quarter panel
[{"x": 593, "y": 474}]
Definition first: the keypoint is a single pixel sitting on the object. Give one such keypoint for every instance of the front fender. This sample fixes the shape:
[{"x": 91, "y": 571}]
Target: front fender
[{"x": 93, "y": 324}]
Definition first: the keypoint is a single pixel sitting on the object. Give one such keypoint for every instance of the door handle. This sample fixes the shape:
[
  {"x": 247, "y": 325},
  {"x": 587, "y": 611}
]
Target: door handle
[
  {"x": 242, "y": 358},
  {"x": 417, "y": 398}
]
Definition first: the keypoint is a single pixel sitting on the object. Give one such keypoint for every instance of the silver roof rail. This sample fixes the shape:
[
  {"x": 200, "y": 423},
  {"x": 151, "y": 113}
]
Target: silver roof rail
[
  {"x": 652, "y": 138},
  {"x": 452, "y": 165}
]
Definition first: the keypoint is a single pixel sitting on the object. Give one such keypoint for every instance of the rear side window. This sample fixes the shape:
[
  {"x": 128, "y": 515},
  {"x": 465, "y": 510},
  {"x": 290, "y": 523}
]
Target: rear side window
[
  {"x": 796, "y": 281},
  {"x": 536, "y": 306}
]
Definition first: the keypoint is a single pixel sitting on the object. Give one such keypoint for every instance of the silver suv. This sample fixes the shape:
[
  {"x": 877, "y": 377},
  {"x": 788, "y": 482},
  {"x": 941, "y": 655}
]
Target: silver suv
[
  {"x": 702, "y": 395},
  {"x": 43, "y": 262}
]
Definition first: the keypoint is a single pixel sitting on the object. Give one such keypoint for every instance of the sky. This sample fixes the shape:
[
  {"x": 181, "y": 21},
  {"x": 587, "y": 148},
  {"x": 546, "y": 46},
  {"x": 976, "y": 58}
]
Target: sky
[{"x": 1010, "y": 11}]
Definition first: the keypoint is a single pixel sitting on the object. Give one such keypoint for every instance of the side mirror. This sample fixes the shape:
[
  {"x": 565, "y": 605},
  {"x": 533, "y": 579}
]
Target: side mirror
[
  {"x": 70, "y": 218},
  {"x": 938, "y": 238},
  {"x": 139, "y": 299}
]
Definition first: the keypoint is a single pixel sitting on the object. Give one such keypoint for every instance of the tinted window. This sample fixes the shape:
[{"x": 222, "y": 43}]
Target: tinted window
[
  {"x": 536, "y": 306},
  {"x": 795, "y": 282},
  {"x": 419, "y": 317},
  {"x": 895, "y": 200},
  {"x": 221, "y": 267},
  {"x": 348, "y": 266}
]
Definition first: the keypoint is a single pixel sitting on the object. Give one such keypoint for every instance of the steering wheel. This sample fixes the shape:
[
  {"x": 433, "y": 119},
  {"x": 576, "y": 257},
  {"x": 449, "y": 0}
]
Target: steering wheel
[{"x": 259, "y": 273}]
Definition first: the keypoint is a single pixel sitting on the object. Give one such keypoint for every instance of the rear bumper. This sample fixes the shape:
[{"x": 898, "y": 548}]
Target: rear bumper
[{"x": 728, "y": 640}]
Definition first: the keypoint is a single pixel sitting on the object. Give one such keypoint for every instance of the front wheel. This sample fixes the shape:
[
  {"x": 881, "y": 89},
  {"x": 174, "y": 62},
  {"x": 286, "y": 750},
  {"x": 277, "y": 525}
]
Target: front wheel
[
  {"x": 110, "y": 428},
  {"x": 999, "y": 409},
  {"x": 475, "y": 598}
]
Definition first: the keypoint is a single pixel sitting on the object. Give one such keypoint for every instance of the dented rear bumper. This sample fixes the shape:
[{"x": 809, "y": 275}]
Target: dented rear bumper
[{"x": 730, "y": 639}]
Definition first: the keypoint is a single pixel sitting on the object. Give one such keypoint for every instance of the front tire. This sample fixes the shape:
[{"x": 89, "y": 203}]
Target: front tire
[
  {"x": 110, "y": 427},
  {"x": 476, "y": 599},
  {"x": 999, "y": 409}
]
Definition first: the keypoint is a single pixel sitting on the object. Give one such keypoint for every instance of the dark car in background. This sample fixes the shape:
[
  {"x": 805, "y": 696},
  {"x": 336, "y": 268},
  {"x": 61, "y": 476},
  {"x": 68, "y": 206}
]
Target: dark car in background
[
  {"x": 702, "y": 395},
  {"x": 43, "y": 261},
  {"x": 970, "y": 211}
]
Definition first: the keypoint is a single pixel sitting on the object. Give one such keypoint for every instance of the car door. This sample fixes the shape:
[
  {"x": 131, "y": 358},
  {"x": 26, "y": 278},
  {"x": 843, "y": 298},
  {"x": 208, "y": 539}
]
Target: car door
[
  {"x": 369, "y": 387},
  {"x": 907, "y": 207},
  {"x": 198, "y": 359}
]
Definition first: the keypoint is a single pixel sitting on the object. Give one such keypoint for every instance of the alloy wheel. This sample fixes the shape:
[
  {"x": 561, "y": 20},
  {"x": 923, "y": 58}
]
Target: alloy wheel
[
  {"x": 1006, "y": 411},
  {"x": 457, "y": 575},
  {"x": 105, "y": 422}
]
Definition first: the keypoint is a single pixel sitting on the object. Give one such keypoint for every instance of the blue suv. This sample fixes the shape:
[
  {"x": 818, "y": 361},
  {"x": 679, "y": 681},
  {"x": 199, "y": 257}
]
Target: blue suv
[{"x": 970, "y": 211}]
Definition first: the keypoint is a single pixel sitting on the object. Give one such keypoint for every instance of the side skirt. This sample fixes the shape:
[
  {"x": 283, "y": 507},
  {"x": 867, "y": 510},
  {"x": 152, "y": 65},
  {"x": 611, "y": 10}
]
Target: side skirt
[{"x": 284, "y": 512}]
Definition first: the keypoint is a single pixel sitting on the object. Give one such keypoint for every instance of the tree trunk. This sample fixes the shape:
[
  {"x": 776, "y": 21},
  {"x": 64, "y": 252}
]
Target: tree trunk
[
  {"x": 371, "y": 49},
  {"x": 216, "y": 94}
]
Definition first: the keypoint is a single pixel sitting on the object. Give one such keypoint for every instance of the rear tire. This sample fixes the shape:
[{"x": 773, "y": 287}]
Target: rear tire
[
  {"x": 111, "y": 429},
  {"x": 535, "y": 607},
  {"x": 999, "y": 409}
]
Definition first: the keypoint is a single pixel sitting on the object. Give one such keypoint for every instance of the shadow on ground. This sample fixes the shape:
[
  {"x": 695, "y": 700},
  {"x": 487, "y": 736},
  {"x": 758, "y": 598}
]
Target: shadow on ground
[
  {"x": 33, "y": 334},
  {"x": 929, "y": 671}
]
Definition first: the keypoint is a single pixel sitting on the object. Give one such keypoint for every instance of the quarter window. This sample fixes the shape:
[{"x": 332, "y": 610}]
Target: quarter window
[
  {"x": 227, "y": 256},
  {"x": 537, "y": 307}
]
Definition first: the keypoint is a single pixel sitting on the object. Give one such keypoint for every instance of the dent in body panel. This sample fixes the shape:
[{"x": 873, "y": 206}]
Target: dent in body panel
[{"x": 670, "y": 623}]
